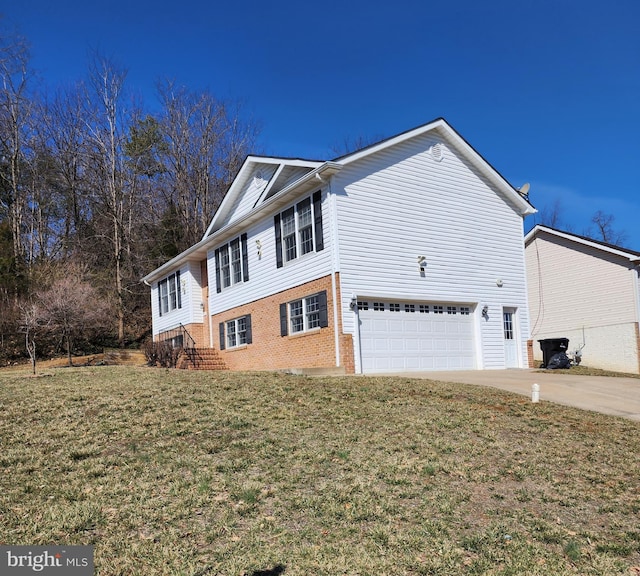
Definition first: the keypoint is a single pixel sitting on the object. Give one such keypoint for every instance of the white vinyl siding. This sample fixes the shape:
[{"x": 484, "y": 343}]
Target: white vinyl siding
[
  {"x": 269, "y": 279},
  {"x": 587, "y": 295},
  {"x": 578, "y": 282},
  {"x": 189, "y": 290},
  {"x": 401, "y": 204}
]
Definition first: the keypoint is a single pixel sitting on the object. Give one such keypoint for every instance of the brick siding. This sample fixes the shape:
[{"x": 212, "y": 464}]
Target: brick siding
[
  {"x": 530, "y": 354},
  {"x": 271, "y": 351}
]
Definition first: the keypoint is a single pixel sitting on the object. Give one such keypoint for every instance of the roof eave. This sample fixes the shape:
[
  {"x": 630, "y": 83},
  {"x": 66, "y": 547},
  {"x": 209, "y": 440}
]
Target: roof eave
[
  {"x": 313, "y": 179},
  {"x": 633, "y": 258}
]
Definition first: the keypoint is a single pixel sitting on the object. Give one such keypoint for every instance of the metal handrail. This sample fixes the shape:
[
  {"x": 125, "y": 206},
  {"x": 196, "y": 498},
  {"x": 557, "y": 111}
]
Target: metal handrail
[{"x": 186, "y": 342}]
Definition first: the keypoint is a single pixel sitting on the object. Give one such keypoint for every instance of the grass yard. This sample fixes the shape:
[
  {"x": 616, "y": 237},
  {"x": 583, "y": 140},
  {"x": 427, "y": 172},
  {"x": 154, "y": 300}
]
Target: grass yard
[{"x": 191, "y": 473}]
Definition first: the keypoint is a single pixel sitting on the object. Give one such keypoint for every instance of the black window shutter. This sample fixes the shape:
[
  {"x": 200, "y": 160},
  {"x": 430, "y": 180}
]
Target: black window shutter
[
  {"x": 317, "y": 212},
  {"x": 221, "y": 327},
  {"x": 276, "y": 224},
  {"x": 218, "y": 282},
  {"x": 248, "y": 326},
  {"x": 322, "y": 304},
  {"x": 245, "y": 258},
  {"x": 284, "y": 324},
  {"x": 159, "y": 299},
  {"x": 178, "y": 289}
]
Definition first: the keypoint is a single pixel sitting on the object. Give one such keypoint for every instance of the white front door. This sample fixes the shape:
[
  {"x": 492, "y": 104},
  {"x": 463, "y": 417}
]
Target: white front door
[{"x": 510, "y": 339}]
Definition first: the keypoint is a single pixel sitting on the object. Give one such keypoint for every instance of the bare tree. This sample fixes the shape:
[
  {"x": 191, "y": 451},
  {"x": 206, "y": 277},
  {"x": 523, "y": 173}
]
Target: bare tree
[
  {"x": 552, "y": 216},
  {"x": 15, "y": 110},
  {"x": 206, "y": 142},
  {"x": 350, "y": 144},
  {"x": 107, "y": 132},
  {"x": 604, "y": 229},
  {"x": 62, "y": 151},
  {"x": 31, "y": 324},
  {"x": 72, "y": 309}
]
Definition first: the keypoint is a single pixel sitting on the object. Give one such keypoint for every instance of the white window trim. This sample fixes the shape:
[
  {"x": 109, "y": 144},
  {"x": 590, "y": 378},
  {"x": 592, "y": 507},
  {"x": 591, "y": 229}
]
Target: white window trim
[
  {"x": 169, "y": 294},
  {"x": 305, "y": 315},
  {"x": 297, "y": 231}
]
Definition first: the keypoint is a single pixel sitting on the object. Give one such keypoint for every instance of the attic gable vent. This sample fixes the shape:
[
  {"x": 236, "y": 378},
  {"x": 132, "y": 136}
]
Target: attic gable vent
[
  {"x": 258, "y": 179},
  {"x": 437, "y": 152}
]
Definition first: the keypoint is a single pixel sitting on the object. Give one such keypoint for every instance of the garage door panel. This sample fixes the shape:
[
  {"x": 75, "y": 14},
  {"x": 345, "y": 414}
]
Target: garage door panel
[{"x": 405, "y": 339}]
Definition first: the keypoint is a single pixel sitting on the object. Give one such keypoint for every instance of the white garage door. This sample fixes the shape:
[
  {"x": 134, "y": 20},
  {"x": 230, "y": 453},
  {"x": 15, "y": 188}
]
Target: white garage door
[{"x": 406, "y": 336}]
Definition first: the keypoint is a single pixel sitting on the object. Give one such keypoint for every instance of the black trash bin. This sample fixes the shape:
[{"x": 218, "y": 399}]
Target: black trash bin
[{"x": 551, "y": 346}]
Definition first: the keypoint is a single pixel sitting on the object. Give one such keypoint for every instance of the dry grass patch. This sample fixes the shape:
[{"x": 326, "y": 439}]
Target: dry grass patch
[{"x": 181, "y": 473}]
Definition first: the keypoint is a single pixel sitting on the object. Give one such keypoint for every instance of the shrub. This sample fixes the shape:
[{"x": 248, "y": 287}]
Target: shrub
[{"x": 161, "y": 354}]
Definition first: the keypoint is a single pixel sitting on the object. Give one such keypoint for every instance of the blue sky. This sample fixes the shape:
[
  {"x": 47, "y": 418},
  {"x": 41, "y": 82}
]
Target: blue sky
[{"x": 548, "y": 91}]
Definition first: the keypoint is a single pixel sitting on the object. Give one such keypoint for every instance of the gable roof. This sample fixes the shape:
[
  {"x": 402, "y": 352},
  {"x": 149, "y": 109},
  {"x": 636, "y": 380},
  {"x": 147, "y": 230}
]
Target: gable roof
[
  {"x": 243, "y": 203},
  {"x": 445, "y": 130},
  {"x": 259, "y": 177},
  {"x": 242, "y": 196},
  {"x": 631, "y": 255}
]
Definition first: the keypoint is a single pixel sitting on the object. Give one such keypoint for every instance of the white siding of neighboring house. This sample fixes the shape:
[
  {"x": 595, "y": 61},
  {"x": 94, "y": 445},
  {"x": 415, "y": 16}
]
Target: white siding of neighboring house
[
  {"x": 401, "y": 203},
  {"x": 191, "y": 296},
  {"x": 586, "y": 295},
  {"x": 265, "y": 278}
]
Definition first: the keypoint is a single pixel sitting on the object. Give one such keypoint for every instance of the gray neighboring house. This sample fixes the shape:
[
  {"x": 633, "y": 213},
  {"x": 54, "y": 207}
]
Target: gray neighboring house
[{"x": 587, "y": 291}]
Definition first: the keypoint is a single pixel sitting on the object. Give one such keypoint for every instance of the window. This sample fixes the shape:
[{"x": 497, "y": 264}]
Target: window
[
  {"x": 409, "y": 307},
  {"x": 236, "y": 332},
  {"x": 232, "y": 263},
  {"x": 363, "y": 305},
  {"x": 299, "y": 230},
  {"x": 452, "y": 310},
  {"x": 507, "y": 318},
  {"x": 304, "y": 314},
  {"x": 378, "y": 306},
  {"x": 465, "y": 310},
  {"x": 394, "y": 307},
  {"x": 438, "y": 310},
  {"x": 424, "y": 309},
  {"x": 169, "y": 294}
]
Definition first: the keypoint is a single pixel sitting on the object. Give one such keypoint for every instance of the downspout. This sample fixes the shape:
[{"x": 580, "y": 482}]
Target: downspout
[
  {"x": 146, "y": 283},
  {"x": 334, "y": 267},
  {"x": 636, "y": 290}
]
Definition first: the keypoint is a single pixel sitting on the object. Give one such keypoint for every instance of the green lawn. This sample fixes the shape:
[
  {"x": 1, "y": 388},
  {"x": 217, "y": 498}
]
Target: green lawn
[{"x": 173, "y": 472}]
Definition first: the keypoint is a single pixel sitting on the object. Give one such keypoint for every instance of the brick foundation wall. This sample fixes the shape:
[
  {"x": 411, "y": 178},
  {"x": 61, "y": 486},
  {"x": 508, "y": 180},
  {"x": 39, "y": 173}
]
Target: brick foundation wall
[
  {"x": 269, "y": 350},
  {"x": 197, "y": 332},
  {"x": 530, "y": 353}
]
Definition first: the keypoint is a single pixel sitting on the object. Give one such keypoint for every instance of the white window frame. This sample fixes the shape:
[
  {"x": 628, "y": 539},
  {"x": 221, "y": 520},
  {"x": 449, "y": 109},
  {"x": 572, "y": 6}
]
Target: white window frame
[
  {"x": 236, "y": 332},
  {"x": 169, "y": 294},
  {"x": 230, "y": 263},
  {"x": 304, "y": 314},
  {"x": 297, "y": 230}
]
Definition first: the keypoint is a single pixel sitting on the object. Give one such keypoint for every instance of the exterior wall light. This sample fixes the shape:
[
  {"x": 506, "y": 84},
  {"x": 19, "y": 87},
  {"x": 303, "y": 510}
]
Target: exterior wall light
[
  {"x": 422, "y": 263},
  {"x": 485, "y": 312}
]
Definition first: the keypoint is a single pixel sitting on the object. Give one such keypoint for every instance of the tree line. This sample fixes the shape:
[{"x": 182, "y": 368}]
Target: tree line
[{"x": 96, "y": 191}]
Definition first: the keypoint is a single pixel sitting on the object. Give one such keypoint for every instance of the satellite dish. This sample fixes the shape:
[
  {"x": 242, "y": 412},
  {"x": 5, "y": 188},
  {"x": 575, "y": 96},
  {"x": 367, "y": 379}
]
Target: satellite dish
[{"x": 524, "y": 189}]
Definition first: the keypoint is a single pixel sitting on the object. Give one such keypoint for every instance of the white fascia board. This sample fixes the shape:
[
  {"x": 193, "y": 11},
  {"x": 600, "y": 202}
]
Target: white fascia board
[
  {"x": 580, "y": 240},
  {"x": 312, "y": 180},
  {"x": 196, "y": 252},
  {"x": 524, "y": 207},
  {"x": 240, "y": 179},
  {"x": 317, "y": 177}
]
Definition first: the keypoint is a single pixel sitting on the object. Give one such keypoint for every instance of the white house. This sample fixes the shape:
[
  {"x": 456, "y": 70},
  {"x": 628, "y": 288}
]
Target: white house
[
  {"x": 586, "y": 291},
  {"x": 406, "y": 255}
]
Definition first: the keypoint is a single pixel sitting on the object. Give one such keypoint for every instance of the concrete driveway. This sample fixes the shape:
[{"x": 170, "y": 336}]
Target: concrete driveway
[{"x": 616, "y": 396}]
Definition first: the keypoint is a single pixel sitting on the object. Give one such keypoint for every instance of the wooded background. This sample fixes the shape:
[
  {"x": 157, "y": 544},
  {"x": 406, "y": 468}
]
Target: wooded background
[{"x": 95, "y": 192}]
